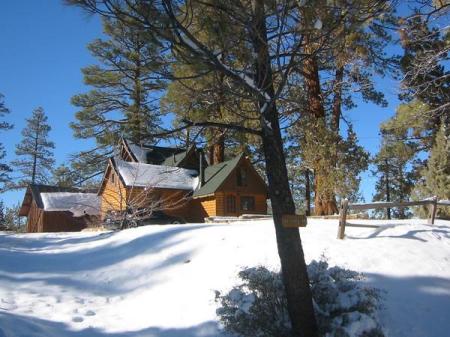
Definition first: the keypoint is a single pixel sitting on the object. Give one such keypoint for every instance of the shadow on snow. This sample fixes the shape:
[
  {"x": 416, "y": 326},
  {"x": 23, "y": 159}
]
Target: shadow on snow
[{"x": 23, "y": 326}]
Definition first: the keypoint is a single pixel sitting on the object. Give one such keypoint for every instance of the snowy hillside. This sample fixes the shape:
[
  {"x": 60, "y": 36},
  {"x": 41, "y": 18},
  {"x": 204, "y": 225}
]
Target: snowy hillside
[{"x": 160, "y": 280}]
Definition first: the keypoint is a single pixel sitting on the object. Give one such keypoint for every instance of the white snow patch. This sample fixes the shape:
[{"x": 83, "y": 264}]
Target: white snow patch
[
  {"x": 78, "y": 203},
  {"x": 157, "y": 176},
  {"x": 160, "y": 280}
]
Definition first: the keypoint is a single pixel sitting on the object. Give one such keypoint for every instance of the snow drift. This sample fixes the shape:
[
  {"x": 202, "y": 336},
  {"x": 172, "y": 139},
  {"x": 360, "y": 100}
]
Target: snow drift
[{"x": 161, "y": 280}]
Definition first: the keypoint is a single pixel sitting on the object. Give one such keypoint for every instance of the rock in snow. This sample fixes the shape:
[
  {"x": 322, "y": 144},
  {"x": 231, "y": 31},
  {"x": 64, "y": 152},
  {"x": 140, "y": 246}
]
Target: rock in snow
[{"x": 136, "y": 282}]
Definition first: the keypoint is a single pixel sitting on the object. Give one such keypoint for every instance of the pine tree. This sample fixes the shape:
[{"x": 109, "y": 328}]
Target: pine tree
[
  {"x": 12, "y": 219},
  {"x": 330, "y": 78},
  {"x": 276, "y": 37},
  {"x": 5, "y": 169},
  {"x": 437, "y": 171},
  {"x": 2, "y": 214},
  {"x": 35, "y": 156},
  {"x": 426, "y": 44},
  {"x": 396, "y": 178},
  {"x": 126, "y": 84},
  {"x": 63, "y": 176}
]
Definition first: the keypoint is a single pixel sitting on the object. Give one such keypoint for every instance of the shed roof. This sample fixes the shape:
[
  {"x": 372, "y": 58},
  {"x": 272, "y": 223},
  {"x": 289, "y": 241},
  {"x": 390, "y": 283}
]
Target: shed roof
[{"x": 34, "y": 191}]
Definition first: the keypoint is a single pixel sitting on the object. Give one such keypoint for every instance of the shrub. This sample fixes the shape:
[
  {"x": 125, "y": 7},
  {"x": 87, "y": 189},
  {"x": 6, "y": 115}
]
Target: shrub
[{"x": 257, "y": 307}]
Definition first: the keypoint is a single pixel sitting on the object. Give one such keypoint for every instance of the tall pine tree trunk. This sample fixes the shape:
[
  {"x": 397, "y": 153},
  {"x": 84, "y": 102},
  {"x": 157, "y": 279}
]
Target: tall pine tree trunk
[
  {"x": 388, "y": 189},
  {"x": 216, "y": 147},
  {"x": 219, "y": 149},
  {"x": 337, "y": 99},
  {"x": 307, "y": 193},
  {"x": 290, "y": 249},
  {"x": 324, "y": 201},
  {"x": 35, "y": 154}
]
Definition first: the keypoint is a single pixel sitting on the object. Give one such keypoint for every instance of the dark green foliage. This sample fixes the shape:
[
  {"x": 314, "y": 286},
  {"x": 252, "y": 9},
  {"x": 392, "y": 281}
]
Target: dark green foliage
[
  {"x": 396, "y": 176},
  {"x": 35, "y": 151},
  {"x": 63, "y": 176},
  {"x": 340, "y": 161},
  {"x": 5, "y": 169},
  {"x": 13, "y": 221},
  {"x": 258, "y": 307},
  {"x": 2, "y": 214},
  {"x": 123, "y": 102},
  {"x": 426, "y": 45},
  {"x": 436, "y": 175}
]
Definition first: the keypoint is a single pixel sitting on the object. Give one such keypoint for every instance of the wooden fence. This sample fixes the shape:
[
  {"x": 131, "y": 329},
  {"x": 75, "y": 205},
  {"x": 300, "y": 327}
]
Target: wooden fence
[{"x": 433, "y": 203}]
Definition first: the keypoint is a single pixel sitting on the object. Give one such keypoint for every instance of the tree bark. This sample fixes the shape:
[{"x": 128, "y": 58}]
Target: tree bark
[
  {"x": 293, "y": 266},
  {"x": 219, "y": 149},
  {"x": 337, "y": 99},
  {"x": 324, "y": 203},
  {"x": 307, "y": 193},
  {"x": 388, "y": 189}
]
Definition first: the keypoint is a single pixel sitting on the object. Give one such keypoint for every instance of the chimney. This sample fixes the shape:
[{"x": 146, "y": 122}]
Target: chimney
[{"x": 201, "y": 168}]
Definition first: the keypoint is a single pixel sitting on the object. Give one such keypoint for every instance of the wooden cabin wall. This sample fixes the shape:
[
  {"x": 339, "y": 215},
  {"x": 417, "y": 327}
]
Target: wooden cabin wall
[
  {"x": 34, "y": 218},
  {"x": 57, "y": 221},
  {"x": 113, "y": 195},
  {"x": 255, "y": 184},
  {"x": 260, "y": 204},
  {"x": 202, "y": 208},
  {"x": 253, "y": 187},
  {"x": 174, "y": 202}
]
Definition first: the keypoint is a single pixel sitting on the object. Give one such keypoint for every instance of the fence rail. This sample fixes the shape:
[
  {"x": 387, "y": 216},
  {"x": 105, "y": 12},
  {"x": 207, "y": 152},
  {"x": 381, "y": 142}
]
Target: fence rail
[{"x": 345, "y": 206}]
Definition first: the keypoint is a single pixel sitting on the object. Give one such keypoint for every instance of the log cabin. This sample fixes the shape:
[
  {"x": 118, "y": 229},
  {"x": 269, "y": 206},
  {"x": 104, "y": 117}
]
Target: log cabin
[
  {"x": 58, "y": 209},
  {"x": 135, "y": 185},
  {"x": 230, "y": 188},
  {"x": 181, "y": 183}
]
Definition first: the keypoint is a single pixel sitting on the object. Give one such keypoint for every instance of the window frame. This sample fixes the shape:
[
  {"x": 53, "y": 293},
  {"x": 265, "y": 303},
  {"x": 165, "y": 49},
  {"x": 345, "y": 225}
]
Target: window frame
[
  {"x": 230, "y": 203},
  {"x": 248, "y": 198}
]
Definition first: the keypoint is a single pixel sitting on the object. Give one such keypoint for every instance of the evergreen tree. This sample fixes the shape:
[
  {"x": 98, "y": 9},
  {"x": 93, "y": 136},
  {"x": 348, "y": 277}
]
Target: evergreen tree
[
  {"x": 276, "y": 37},
  {"x": 4, "y": 167},
  {"x": 63, "y": 176},
  {"x": 12, "y": 219},
  {"x": 426, "y": 43},
  {"x": 330, "y": 78},
  {"x": 436, "y": 174},
  {"x": 126, "y": 84},
  {"x": 35, "y": 151},
  {"x": 396, "y": 179},
  {"x": 2, "y": 214},
  {"x": 209, "y": 97}
]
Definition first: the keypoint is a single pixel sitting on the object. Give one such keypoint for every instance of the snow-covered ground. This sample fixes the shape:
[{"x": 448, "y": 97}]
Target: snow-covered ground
[{"x": 160, "y": 280}]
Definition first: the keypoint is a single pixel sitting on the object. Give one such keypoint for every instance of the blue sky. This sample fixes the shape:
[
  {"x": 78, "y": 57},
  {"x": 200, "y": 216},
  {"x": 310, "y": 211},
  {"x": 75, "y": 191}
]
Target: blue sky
[{"x": 43, "y": 48}]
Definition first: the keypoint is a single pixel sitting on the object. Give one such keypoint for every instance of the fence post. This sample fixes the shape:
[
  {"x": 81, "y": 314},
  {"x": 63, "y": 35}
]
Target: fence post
[
  {"x": 433, "y": 209},
  {"x": 342, "y": 218}
]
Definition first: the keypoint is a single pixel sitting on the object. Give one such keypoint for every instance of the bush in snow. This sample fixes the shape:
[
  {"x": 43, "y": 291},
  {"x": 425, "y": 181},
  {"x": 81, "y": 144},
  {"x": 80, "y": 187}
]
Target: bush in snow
[{"x": 257, "y": 307}]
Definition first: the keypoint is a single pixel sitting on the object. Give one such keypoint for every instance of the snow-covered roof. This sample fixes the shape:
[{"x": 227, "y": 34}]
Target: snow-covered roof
[
  {"x": 77, "y": 203},
  {"x": 156, "y": 176},
  {"x": 139, "y": 152}
]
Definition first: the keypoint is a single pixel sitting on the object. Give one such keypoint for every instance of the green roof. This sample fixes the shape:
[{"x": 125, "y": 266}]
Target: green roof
[{"x": 215, "y": 175}]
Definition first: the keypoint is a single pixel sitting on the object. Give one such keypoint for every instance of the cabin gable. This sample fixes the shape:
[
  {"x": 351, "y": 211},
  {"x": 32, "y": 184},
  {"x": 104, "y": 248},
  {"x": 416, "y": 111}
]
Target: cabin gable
[{"x": 113, "y": 192}]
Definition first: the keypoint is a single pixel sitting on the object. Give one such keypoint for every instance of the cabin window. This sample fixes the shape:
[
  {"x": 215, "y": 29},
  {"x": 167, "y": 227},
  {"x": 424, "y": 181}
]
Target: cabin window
[
  {"x": 231, "y": 204},
  {"x": 113, "y": 178},
  {"x": 247, "y": 203},
  {"x": 242, "y": 177}
]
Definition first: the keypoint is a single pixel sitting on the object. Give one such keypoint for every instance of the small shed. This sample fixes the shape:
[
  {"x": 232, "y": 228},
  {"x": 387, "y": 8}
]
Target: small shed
[{"x": 58, "y": 209}]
